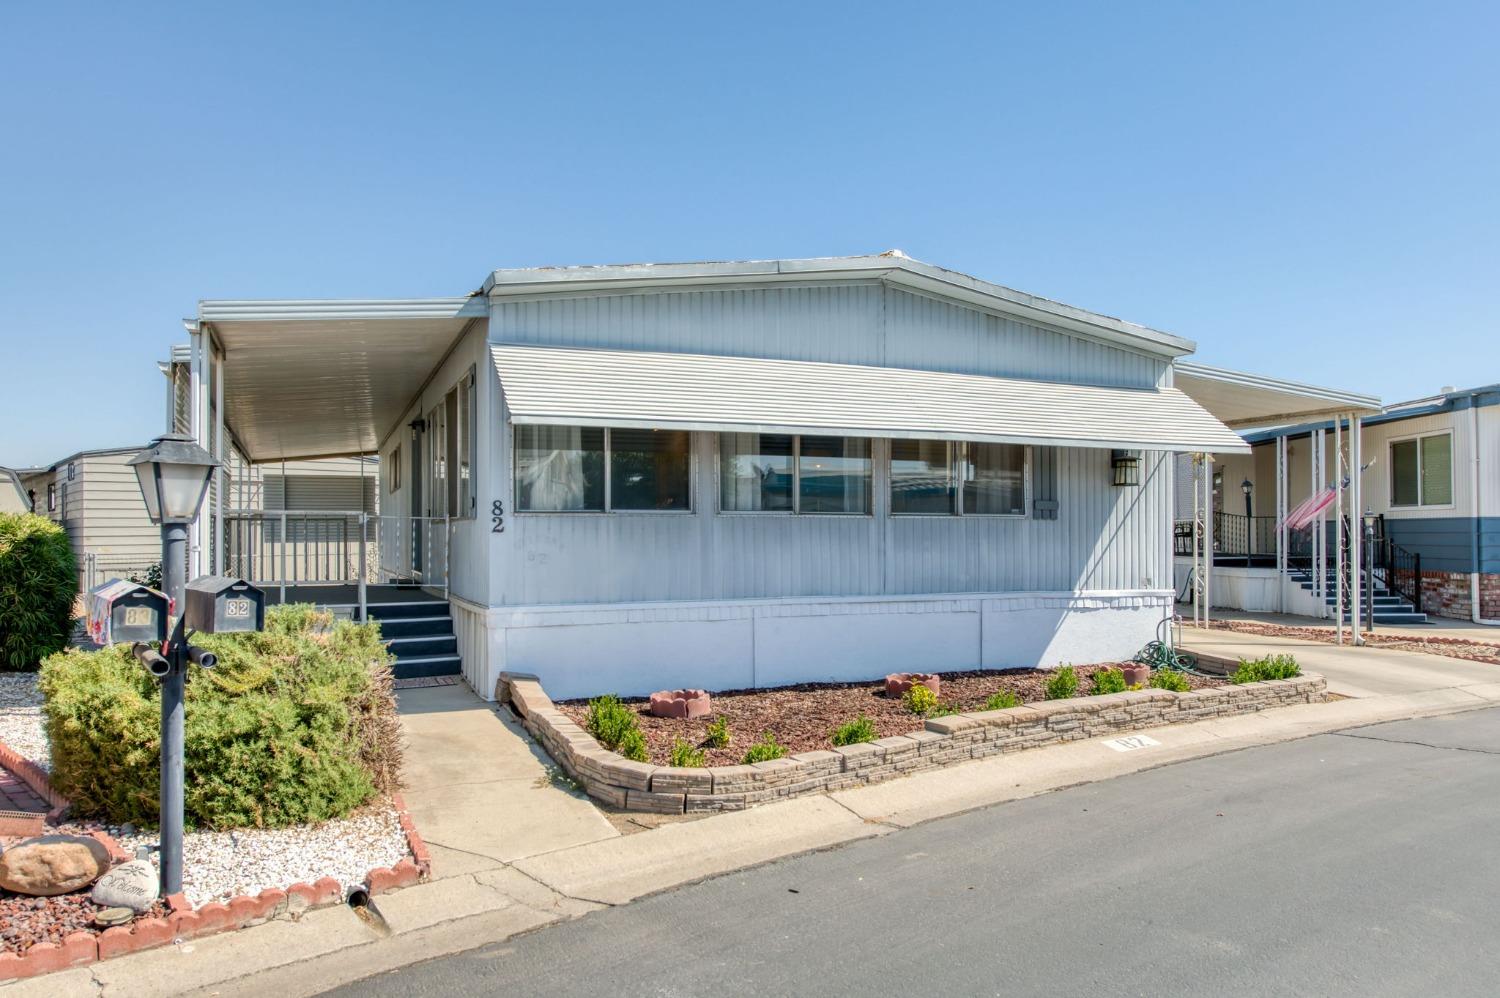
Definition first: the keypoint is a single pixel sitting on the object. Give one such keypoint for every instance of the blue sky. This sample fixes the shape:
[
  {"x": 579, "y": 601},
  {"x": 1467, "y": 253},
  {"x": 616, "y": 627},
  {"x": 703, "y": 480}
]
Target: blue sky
[{"x": 1307, "y": 190}]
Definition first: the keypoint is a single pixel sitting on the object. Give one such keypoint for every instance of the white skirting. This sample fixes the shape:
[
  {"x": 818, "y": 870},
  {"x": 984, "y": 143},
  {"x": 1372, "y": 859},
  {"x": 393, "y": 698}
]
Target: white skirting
[{"x": 634, "y": 649}]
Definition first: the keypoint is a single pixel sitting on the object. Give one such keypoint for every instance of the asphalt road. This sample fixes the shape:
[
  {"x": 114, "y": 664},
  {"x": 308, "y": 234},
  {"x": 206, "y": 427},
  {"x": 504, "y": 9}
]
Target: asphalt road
[{"x": 1362, "y": 863}]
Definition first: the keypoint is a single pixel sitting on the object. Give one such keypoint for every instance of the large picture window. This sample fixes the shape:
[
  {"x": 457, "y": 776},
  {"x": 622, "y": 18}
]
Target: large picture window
[
  {"x": 1422, "y": 471},
  {"x": 935, "y": 477},
  {"x": 782, "y": 473},
  {"x": 578, "y": 469}
]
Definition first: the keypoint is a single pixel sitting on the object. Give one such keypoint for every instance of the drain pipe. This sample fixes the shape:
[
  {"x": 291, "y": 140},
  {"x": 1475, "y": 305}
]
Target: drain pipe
[
  {"x": 357, "y": 897},
  {"x": 1476, "y": 613}
]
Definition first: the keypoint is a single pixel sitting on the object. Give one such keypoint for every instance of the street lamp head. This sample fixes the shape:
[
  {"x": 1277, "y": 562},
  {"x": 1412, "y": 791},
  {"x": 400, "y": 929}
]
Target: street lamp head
[
  {"x": 173, "y": 474},
  {"x": 1247, "y": 486}
]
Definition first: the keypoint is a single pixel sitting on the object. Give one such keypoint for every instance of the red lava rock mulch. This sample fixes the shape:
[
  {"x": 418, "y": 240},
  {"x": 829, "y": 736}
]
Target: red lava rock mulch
[
  {"x": 803, "y": 717},
  {"x": 26, "y": 921},
  {"x": 1468, "y": 648}
]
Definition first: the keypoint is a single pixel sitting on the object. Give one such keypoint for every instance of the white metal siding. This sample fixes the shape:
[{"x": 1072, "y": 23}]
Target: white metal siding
[
  {"x": 639, "y": 388},
  {"x": 848, "y": 323}
]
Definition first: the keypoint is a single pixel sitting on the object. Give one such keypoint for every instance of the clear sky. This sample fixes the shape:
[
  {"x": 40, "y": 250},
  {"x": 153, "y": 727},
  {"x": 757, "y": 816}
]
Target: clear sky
[{"x": 1310, "y": 190}]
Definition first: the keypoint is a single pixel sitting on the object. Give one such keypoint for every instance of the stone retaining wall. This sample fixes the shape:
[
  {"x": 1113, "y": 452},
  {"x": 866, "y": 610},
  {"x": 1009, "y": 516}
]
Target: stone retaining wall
[{"x": 639, "y": 786}]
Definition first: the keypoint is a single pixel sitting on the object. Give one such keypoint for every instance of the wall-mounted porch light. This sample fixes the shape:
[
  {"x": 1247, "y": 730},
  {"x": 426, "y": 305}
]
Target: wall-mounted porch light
[{"x": 1125, "y": 466}]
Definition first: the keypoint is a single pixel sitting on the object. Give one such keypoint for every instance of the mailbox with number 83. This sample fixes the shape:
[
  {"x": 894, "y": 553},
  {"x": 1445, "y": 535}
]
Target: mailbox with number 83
[{"x": 221, "y": 604}]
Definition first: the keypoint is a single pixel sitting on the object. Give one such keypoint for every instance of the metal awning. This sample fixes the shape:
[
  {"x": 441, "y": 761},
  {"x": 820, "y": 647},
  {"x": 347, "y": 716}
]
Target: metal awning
[
  {"x": 327, "y": 378},
  {"x": 582, "y": 387},
  {"x": 1241, "y": 399}
]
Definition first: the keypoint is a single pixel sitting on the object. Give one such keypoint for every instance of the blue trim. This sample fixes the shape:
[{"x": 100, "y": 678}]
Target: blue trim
[
  {"x": 1472, "y": 398},
  {"x": 1446, "y": 543}
]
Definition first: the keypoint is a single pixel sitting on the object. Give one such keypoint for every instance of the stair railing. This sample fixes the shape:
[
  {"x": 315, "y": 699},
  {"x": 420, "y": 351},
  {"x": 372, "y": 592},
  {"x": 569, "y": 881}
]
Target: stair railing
[{"x": 1400, "y": 570}]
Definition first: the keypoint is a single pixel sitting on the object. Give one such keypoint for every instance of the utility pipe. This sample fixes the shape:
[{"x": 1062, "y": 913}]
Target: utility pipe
[{"x": 1476, "y": 611}]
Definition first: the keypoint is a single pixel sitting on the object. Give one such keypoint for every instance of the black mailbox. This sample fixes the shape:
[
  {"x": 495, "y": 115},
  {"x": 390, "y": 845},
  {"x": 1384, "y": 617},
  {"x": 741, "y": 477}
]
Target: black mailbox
[
  {"x": 221, "y": 604},
  {"x": 120, "y": 611}
]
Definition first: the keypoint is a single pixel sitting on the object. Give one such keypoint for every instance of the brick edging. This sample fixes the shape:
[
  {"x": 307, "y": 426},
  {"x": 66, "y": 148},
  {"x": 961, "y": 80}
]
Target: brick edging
[
  {"x": 638, "y": 786},
  {"x": 36, "y": 778},
  {"x": 184, "y": 922}
]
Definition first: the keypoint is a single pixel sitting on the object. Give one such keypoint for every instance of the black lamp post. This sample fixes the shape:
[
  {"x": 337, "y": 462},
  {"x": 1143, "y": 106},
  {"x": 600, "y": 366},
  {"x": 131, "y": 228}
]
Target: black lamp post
[
  {"x": 1247, "y": 487},
  {"x": 173, "y": 474}
]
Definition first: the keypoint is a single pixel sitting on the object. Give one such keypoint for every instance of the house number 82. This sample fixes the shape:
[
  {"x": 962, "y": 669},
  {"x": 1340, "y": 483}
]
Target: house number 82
[{"x": 497, "y": 513}]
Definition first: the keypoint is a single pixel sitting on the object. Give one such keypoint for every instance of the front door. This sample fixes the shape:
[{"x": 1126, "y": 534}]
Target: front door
[{"x": 417, "y": 474}]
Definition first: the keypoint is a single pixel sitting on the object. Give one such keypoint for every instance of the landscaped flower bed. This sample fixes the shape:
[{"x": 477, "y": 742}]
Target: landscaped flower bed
[
  {"x": 614, "y": 769},
  {"x": 1468, "y": 648},
  {"x": 804, "y": 717}
]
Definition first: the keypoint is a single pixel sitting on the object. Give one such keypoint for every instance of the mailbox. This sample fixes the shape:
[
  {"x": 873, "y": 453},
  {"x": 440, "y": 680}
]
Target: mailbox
[
  {"x": 120, "y": 611},
  {"x": 221, "y": 604}
]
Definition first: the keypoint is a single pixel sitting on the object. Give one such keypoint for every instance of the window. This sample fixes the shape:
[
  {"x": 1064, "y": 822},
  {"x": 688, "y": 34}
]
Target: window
[
  {"x": 465, "y": 451},
  {"x": 757, "y": 472},
  {"x": 780, "y": 473},
  {"x": 51, "y": 498},
  {"x": 393, "y": 470},
  {"x": 450, "y": 452},
  {"x": 573, "y": 469},
  {"x": 1422, "y": 471},
  {"x": 922, "y": 477},
  {"x": 935, "y": 477}
]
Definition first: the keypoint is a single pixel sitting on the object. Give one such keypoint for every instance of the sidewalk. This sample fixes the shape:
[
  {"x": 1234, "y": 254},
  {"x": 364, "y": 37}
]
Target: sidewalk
[
  {"x": 513, "y": 852},
  {"x": 1351, "y": 671}
]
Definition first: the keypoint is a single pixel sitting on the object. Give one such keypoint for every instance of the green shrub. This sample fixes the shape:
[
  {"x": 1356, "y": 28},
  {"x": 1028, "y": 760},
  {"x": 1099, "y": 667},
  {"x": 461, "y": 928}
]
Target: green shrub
[
  {"x": 1270, "y": 667},
  {"x": 718, "y": 733},
  {"x": 919, "y": 699},
  {"x": 686, "y": 755},
  {"x": 1004, "y": 700},
  {"x": 1169, "y": 679},
  {"x": 861, "y": 729},
  {"x": 1109, "y": 681},
  {"x": 151, "y": 578},
  {"x": 296, "y": 724},
  {"x": 38, "y": 584},
  {"x": 609, "y": 720},
  {"x": 764, "y": 750},
  {"x": 1063, "y": 684},
  {"x": 632, "y": 745}
]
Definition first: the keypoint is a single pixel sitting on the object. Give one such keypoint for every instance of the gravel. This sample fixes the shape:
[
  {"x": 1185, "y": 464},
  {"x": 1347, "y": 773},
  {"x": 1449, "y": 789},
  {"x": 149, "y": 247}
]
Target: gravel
[
  {"x": 803, "y": 717},
  {"x": 219, "y": 865},
  {"x": 21, "y": 717},
  {"x": 1470, "y": 648},
  {"x": 26, "y": 921}
]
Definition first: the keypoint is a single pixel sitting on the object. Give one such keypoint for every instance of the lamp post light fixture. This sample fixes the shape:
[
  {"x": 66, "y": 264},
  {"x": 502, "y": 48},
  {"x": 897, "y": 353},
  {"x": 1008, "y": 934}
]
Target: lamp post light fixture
[
  {"x": 1369, "y": 568},
  {"x": 1248, "y": 487},
  {"x": 173, "y": 474}
]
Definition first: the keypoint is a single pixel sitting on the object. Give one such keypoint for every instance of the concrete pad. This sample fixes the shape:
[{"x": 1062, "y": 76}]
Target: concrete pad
[
  {"x": 77, "y": 981},
  {"x": 506, "y": 819},
  {"x": 619, "y": 870}
]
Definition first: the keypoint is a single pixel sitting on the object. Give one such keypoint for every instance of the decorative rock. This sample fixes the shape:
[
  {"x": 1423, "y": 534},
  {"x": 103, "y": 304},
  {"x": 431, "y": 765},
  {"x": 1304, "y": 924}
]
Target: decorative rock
[
  {"x": 681, "y": 703},
  {"x": 132, "y": 885},
  {"x": 107, "y": 917},
  {"x": 1136, "y": 674},
  {"x": 53, "y": 864},
  {"x": 897, "y": 683}
]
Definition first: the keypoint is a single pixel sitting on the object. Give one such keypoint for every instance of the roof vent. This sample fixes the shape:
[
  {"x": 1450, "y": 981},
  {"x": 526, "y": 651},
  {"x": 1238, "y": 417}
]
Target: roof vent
[
  {"x": 896, "y": 253},
  {"x": 1447, "y": 389}
]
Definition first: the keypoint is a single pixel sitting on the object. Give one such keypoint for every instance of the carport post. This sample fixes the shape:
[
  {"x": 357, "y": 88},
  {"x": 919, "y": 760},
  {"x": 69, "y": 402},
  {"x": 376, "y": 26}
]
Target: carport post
[{"x": 364, "y": 528}]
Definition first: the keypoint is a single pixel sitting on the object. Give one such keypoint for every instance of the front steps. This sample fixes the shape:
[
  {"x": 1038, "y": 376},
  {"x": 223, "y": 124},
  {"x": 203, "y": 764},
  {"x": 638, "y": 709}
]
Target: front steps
[
  {"x": 1389, "y": 608},
  {"x": 420, "y": 634}
]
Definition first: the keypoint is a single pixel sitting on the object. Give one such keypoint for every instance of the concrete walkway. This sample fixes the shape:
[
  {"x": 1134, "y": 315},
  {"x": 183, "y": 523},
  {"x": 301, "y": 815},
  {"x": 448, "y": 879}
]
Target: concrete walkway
[
  {"x": 513, "y": 852},
  {"x": 1351, "y": 671},
  {"x": 1436, "y": 627}
]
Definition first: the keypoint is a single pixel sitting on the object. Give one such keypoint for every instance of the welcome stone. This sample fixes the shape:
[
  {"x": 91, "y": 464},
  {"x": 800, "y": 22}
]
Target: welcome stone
[{"x": 130, "y": 885}]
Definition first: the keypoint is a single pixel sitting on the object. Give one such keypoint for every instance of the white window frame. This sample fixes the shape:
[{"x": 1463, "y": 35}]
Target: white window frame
[
  {"x": 393, "y": 470},
  {"x": 958, "y": 459},
  {"x": 609, "y": 498},
  {"x": 796, "y": 509},
  {"x": 1390, "y": 446}
]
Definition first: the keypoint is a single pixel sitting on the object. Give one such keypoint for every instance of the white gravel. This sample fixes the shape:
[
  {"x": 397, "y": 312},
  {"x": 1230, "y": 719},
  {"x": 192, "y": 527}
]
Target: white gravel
[
  {"x": 217, "y": 866},
  {"x": 21, "y": 717}
]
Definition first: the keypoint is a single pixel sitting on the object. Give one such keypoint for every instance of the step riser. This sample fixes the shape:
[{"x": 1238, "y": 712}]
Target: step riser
[
  {"x": 396, "y": 611},
  {"x": 425, "y": 646},
  {"x": 428, "y": 668},
  {"x": 413, "y": 627}
]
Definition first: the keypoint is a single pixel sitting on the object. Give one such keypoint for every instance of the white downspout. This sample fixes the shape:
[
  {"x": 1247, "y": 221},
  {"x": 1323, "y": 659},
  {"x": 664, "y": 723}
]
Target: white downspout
[{"x": 1476, "y": 612}]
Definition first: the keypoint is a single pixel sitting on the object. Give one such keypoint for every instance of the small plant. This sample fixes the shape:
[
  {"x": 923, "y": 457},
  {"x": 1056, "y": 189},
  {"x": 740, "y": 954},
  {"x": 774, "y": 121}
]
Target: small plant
[
  {"x": 610, "y": 721},
  {"x": 1004, "y": 700},
  {"x": 943, "y": 710},
  {"x": 765, "y": 750},
  {"x": 1109, "y": 681},
  {"x": 718, "y": 733},
  {"x": 632, "y": 745},
  {"x": 1169, "y": 679},
  {"x": 919, "y": 699},
  {"x": 685, "y": 755},
  {"x": 1270, "y": 667},
  {"x": 151, "y": 579},
  {"x": 1063, "y": 684},
  {"x": 861, "y": 729}
]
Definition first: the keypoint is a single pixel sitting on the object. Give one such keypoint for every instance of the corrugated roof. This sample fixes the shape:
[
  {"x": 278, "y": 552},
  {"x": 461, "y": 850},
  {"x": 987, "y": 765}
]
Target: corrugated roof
[{"x": 582, "y": 387}]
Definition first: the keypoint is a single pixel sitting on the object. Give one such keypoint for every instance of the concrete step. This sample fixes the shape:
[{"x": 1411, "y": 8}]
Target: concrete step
[
  {"x": 422, "y": 645},
  {"x": 426, "y": 666},
  {"x": 1393, "y": 617},
  {"x": 415, "y": 608}
]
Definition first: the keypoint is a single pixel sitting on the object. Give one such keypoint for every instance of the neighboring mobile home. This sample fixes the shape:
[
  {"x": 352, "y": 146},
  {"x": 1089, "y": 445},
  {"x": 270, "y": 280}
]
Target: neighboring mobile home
[{"x": 735, "y": 474}]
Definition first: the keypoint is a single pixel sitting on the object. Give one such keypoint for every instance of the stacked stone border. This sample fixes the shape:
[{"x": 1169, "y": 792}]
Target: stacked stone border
[
  {"x": 637, "y": 786},
  {"x": 183, "y": 922}
]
